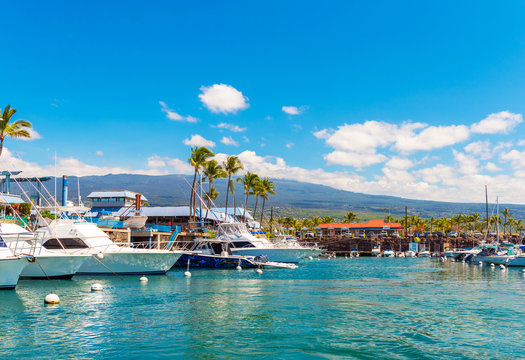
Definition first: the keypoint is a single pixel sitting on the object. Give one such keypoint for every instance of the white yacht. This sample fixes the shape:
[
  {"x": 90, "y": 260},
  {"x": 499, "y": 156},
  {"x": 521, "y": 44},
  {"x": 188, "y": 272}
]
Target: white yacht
[
  {"x": 389, "y": 252},
  {"x": 104, "y": 256},
  {"x": 376, "y": 250},
  {"x": 410, "y": 253},
  {"x": 43, "y": 263},
  {"x": 10, "y": 267},
  {"x": 242, "y": 242}
]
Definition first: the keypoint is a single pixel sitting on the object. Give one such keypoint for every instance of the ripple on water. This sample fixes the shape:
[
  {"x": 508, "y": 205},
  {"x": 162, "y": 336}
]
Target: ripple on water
[{"x": 355, "y": 308}]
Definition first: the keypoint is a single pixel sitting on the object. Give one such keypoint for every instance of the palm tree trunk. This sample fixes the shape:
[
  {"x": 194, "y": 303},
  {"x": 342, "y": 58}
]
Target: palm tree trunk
[
  {"x": 245, "y": 204},
  {"x": 255, "y": 209},
  {"x": 192, "y": 196},
  {"x": 262, "y": 211},
  {"x": 227, "y": 195},
  {"x": 1, "y": 145},
  {"x": 209, "y": 199}
]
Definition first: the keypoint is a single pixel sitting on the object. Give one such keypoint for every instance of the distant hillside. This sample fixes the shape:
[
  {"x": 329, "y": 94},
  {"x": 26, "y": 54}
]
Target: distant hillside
[{"x": 291, "y": 197}]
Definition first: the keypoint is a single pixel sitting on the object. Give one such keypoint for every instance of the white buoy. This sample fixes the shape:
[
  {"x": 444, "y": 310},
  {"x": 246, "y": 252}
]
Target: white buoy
[
  {"x": 492, "y": 266},
  {"x": 259, "y": 271},
  {"x": 97, "y": 287},
  {"x": 310, "y": 258},
  {"x": 502, "y": 267},
  {"x": 239, "y": 268},
  {"x": 100, "y": 255},
  {"x": 52, "y": 299},
  {"x": 143, "y": 279},
  {"x": 187, "y": 272},
  {"x": 480, "y": 263},
  {"x": 523, "y": 271}
]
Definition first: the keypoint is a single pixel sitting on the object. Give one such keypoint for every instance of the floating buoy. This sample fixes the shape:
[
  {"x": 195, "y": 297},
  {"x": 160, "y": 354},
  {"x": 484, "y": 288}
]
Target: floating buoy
[
  {"x": 143, "y": 279},
  {"x": 523, "y": 271},
  {"x": 52, "y": 299},
  {"x": 259, "y": 271},
  {"x": 239, "y": 268},
  {"x": 187, "y": 274},
  {"x": 502, "y": 267},
  {"x": 100, "y": 255},
  {"x": 480, "y": 263},
  {"x": 492, "y": 266},
  {"x": 310, "y": 258},
  {"x": 97, "y": 287}
]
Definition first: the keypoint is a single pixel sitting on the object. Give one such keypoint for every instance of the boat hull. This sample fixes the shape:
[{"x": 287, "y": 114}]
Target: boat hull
[
  {"x": 213, "y": 261},
  {"x": 53, "y": 266},
  {"x": 10, "y": 270},
  {"x": 130, "y": 263},
  {"x": 496, "y": 260},
  {"x": 291, "y": 255},
  {"x": 517, "y": 261}
]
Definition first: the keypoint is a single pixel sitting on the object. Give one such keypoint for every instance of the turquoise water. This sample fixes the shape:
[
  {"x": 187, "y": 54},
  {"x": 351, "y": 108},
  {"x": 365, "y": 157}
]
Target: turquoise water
[{"x": 364, "y": 308}]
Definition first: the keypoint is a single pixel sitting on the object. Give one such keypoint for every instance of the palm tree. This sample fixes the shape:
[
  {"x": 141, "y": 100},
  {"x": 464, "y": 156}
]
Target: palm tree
[
  {"x": 232, "y": 166},
  {"x": 248, "y": 182},
  {"x": 256, "y": 191},
  {"x": 267, "y": 188},
  {"x": 349, "y": 217},
  {"x": 199, "y": 157},
  {"x": 328, "y": 220},
  {"x": 506, "y": 214},
  {"x": 17, "y": 129},
  {"x": 212, "y": 170}
]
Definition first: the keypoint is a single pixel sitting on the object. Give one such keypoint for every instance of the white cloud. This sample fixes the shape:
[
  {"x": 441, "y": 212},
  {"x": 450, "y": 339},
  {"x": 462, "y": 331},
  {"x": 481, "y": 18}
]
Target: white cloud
[
  {"x": 245, "y": 139},
  {"x": 197, "y": 140},
  {"x": 521, "y": 143},
  {"x": 350, "y": 158},
  {"x": 432, "y": 137},
  {"x": 222, "y": 98},
  {"x": 290, "y": 145},
  {"x": 479, "y": 148},
  {"x": 399, "y": 163},
  {"x": 293, "y": 110},
  {"x": 490, "y": 166},
  {"x": 501, "y": 122},
  {"x": 171, "y": 164},
  {"x": 466, "y": 163},
  {"x": 515, "y": 157},
  {"x": 33, "y": 133},
  {"x": 172, "y": 115},
  {"x": 66, "y": 166},
  {"x": 156, "y": 161},
  {"x": 229, "y": 141},
  {"x": 100, "y": 153},
  {"x": 230, "y": 127}
]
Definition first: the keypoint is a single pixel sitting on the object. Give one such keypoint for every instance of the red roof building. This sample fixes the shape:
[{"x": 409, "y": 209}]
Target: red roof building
[{"x": 373, "y": 226}]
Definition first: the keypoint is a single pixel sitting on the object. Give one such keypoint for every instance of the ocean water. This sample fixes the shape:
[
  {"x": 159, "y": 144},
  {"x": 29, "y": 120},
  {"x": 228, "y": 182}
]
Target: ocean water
[{"x": 365, "y": 308}]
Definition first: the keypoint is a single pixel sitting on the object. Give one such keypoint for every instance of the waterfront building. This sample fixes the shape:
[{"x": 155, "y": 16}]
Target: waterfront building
[{"x": 370, "y": 228}]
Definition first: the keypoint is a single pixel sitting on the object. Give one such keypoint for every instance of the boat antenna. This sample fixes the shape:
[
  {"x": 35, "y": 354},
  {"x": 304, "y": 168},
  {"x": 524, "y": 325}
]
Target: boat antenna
[{"x": 487, "y": 208}]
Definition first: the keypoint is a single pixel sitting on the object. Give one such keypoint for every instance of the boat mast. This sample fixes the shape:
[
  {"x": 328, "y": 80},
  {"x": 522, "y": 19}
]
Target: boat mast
[
  {"x": 497, "y": 219},
  {"x": 487, "y": 210}
]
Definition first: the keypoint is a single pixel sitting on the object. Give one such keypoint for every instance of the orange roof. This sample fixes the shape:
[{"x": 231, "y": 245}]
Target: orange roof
[{"x": 371, "y": 224}]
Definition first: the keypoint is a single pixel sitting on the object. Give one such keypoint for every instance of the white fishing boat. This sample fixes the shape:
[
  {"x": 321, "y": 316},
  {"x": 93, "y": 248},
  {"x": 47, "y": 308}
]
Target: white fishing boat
[
  {"x": 242, "y": 242},
  {"x": 400, "y": 254},
  {"x": 410, "y": 253},
  {"x": 376, "y": 250},
  {"x": 105, "y": 257},
  {"x": 44, "y": 263},
  {"x": 10, "y": 267}
]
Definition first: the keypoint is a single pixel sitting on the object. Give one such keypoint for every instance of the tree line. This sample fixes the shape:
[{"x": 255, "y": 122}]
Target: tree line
[{"x": 203, "y": 163}]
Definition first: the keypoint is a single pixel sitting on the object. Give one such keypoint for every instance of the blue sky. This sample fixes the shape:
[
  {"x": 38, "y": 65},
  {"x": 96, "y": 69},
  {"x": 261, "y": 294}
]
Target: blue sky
[{"x": 381, "y": 97}]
